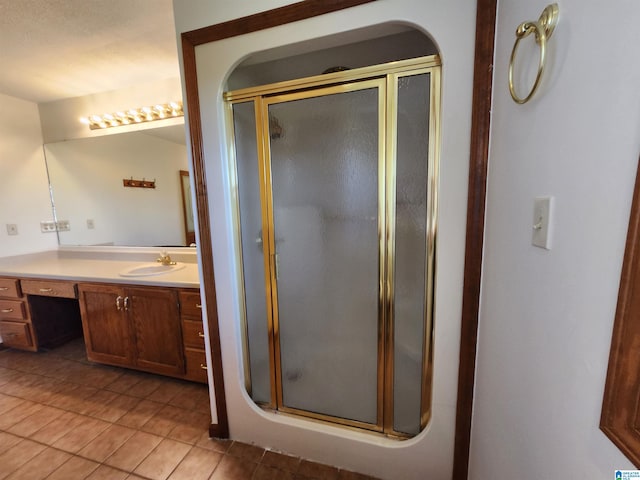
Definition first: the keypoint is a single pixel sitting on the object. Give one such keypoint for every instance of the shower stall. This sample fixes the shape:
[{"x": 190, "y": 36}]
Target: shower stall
[{"x": 335, "y": 183}]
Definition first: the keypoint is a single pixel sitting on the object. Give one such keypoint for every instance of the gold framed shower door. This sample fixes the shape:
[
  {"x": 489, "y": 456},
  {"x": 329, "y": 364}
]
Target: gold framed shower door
[{"x": 384, "y": 79}]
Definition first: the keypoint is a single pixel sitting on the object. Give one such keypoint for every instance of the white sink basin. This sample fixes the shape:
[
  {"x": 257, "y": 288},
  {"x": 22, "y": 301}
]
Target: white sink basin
[{"x": 149, "y": 269}]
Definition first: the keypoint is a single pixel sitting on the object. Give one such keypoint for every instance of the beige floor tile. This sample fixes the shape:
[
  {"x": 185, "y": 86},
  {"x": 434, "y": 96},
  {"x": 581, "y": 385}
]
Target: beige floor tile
[
  {"x": 140, "y": 414},
  {"x": 97, "y": 402},
  {"x": 33, "y": 423},
  {"x": 190, "y": 427},
  {"x": 165, "y": 392},
  {"x": 234, "y": 468},
  {"x": 72, "y": 398},
  {"x": 104, "y": 472},
  {"x": 134, "y": 451},
  {"x": 346, "y": 475},
  {"x": 18, "y": 414},
  {"x": 81, "y": 435},
  {"x": 192, "y": 397},
  {"x": 75, "y": 468},
  {"x": 16, "y": 456},
  {"x": 216, "y": 444},
  {"x": 124, "y": 382},
  {"x": 117, "y": 408},
  {"x": 266, "y": 472},
  {"x": 105, "y": 444},
  {"x": 145, "y": 387},
  {"x": 57, "y": 429},
  {"x": 317, "y": 470},
  {"x": 7, "y": 441},
  {"x": 281, "y": 461},
  {"x": 165, "y": 420},
  {"x": 8, "y": 402},
  {"x": 246, "y": 451},
  {"x": 7, "y": 375},
  {"x": 197, "y": 465},
  {"x": 41, "y": 465},
  {"x": 163, "y": 460}
]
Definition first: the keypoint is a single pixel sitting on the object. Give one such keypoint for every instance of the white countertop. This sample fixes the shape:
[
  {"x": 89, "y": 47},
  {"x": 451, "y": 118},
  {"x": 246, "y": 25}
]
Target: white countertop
[{"x": 102, "y": 265}]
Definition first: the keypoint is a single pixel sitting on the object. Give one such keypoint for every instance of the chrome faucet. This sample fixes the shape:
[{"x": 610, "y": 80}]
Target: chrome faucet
[{"x": 165, "y": 259}]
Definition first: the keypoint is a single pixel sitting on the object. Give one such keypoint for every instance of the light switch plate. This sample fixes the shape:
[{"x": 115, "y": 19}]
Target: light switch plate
[
  {"x": 12, "y": 229},
  {"x": 542, "y": 212}
]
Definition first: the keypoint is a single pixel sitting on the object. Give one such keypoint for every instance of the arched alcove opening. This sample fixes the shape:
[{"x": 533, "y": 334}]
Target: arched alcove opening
[{"x": 335, "y": 165}]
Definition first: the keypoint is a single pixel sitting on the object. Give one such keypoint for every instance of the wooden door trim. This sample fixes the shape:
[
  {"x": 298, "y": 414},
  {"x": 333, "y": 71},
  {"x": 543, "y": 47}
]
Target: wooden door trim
[
  {"x": 478, "y": 162},
  {"x": 620, "y": 406}
]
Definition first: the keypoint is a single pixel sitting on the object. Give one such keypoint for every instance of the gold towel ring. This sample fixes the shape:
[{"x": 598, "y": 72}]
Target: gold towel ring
[{"x": 542, "y": 29}]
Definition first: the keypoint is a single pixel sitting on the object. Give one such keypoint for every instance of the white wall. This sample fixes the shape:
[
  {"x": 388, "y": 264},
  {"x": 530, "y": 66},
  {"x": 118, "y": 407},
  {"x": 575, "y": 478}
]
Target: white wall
[
  {"x": 429, "y": 455},
  {"x": 547, "y": 316},
  {"x": 24, "y": 190}
]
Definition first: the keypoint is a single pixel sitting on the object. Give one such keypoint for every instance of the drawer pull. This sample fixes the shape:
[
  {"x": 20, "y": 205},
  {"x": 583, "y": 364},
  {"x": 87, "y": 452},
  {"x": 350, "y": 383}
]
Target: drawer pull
[
  {"x": 46, "y": 290},
  {"x": 4, "y": 289},
  {"x": 201, "y": 335},
  {"x": 203, "y": 366},
  {"x": 198, "y": 305},
  {"x": 6, "y": 310}
]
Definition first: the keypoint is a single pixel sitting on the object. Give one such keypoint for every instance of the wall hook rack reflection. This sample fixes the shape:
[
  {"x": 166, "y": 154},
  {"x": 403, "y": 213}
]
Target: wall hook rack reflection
[
  {"x": 542, "y": 29},
  {"x": 144, "y": 183}
]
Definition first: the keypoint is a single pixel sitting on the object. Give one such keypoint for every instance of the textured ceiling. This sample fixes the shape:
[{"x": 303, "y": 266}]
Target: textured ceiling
[{"x": 55, "y": 49}]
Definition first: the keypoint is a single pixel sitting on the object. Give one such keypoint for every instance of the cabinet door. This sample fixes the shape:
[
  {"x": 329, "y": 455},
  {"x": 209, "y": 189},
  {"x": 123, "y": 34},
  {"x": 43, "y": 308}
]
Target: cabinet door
[
  {"x": 105, "y": 324},
  {"x": 155, "y": 320}
]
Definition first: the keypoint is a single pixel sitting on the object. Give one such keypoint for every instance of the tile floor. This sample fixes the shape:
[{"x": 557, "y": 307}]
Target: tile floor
[{"x": 63, "y": 418}]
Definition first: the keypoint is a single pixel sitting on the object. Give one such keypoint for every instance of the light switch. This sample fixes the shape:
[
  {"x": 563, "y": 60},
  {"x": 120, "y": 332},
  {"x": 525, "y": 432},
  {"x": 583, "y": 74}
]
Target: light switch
[{"x": 542, "y": 211}]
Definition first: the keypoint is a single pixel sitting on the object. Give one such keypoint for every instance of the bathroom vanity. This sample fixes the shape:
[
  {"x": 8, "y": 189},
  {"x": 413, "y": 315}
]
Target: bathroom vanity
[{"x": 150, "y": 322}]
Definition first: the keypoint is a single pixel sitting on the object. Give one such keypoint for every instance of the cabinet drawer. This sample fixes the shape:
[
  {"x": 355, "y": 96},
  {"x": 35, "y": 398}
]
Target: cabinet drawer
[
  {"x": 16, "y": 334},
  {"x": 192, "y": 333},
  {"x": 9, "y": 287},
  {"x": 49, "y": 288},
  {"x": 190, "y": 304},
  {"x": 196, "y": 365},
  {"x": 12, "y": 310}
]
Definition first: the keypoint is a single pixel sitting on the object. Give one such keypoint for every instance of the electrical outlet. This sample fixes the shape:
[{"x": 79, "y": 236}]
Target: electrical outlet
[
  {"x": 63, "y": 225},
  {"x": 90, "y": 224},
  {"x": 47, "y": 226},
  {"x": 12, "y": 229}
]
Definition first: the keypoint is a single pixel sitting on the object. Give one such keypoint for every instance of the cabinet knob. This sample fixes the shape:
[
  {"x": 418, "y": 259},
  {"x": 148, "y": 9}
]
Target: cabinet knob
[
  {"x": 118, "y": 300},
  {"x": 198, "y": 305},
  {"x": 126, "y": 303},
  {"x": 203, "y": 366},
  {"x": 6, "y": 310},
  {"x": 201, "y": 335}
]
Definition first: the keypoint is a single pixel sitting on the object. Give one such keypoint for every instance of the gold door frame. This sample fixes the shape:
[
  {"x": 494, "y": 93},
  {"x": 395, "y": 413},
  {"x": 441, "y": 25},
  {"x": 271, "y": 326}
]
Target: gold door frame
[{"x": 385, "y": 78}]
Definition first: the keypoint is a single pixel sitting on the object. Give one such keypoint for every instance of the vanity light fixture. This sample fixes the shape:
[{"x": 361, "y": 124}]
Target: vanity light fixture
[{"x": 136, "y": 115}]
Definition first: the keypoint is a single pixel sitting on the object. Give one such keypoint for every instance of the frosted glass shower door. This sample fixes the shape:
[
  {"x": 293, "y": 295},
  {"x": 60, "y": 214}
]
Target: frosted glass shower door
[{"x": 325, "y": 154}]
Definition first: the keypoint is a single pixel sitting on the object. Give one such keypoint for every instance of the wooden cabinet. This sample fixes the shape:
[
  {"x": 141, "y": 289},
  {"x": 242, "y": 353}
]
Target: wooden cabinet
[
  {"x": 16, "y": 329},
  {"x": 155, "y": 329},
  {"x": 193, "y": 335},
  {"x": 105, "y": 324},
  {"x": 130, "y": 326},
  {"x": 38, "y": 313}
]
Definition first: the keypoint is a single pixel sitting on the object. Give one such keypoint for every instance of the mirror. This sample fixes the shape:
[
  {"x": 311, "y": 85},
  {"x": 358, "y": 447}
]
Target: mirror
[{"x": 124, "y": 189}]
